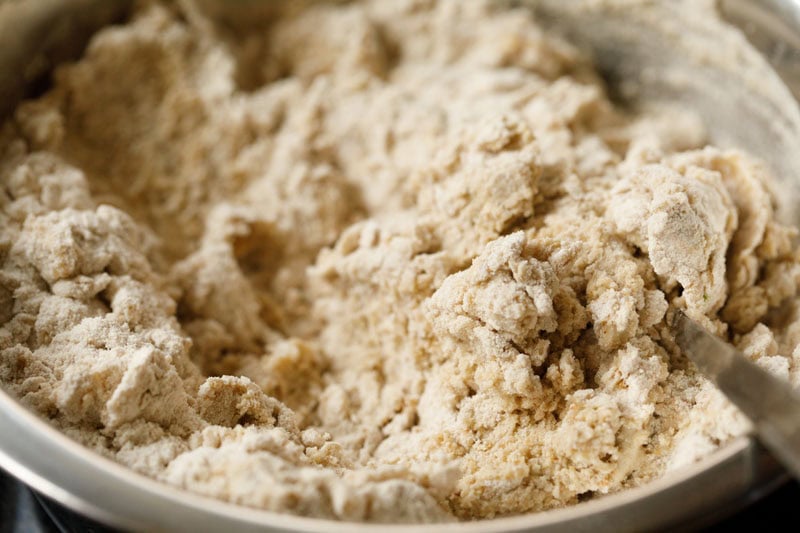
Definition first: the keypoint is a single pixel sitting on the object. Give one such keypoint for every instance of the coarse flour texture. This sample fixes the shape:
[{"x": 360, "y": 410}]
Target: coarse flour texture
[{"x": 390, "y": 261}]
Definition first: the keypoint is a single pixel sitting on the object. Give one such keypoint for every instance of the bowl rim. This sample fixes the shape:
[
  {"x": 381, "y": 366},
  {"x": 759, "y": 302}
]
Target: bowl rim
[{"x": 30, "y": 448}]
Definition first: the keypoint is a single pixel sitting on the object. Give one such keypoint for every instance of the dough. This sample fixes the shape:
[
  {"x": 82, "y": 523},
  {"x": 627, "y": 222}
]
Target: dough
[{"x": 388, "y": 261}]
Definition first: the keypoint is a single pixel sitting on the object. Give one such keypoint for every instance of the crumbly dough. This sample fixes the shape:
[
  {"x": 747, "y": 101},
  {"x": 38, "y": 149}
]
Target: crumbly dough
[{"x": 390, "y": 261}]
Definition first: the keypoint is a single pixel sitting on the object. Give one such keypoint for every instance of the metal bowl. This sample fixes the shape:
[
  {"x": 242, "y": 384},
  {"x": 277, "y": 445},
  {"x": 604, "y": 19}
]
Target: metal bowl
[{"x": 641, "y": 59}]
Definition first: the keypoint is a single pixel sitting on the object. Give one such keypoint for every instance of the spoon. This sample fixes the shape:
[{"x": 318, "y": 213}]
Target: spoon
[{"x": 768, "y": 401}]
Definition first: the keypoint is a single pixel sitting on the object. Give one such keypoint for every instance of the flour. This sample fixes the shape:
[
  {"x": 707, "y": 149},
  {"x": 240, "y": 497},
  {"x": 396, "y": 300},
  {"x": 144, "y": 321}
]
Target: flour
[{"x": 389, "y": 261}]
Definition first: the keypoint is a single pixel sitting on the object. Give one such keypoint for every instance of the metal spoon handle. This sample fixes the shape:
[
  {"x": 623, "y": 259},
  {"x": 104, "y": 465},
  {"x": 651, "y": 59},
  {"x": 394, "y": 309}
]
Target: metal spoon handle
[{"x": 770, "y": 402}]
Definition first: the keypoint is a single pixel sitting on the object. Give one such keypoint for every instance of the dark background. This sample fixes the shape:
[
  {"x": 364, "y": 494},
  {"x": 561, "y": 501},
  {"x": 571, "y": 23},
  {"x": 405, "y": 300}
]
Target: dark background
[{"x": 780, "y": 511}]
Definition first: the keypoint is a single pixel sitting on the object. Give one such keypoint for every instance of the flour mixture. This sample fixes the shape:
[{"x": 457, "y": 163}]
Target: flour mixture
[{"x": 389, "y": 261}]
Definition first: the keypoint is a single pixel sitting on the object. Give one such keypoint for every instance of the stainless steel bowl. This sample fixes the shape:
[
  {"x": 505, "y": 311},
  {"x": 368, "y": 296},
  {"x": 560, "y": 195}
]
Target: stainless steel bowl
[{"x": 641, "y": 60}]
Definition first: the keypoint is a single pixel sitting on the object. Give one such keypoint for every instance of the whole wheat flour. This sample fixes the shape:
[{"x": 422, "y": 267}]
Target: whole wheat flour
[{"x": 390, "y": 261}]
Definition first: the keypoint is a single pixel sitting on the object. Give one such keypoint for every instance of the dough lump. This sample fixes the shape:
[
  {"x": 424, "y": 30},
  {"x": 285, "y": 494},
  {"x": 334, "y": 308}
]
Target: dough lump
[{"x": 387, "y": 261}]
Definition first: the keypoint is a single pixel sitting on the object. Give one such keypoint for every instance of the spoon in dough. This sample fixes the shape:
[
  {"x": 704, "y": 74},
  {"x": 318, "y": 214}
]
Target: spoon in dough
[{"x": 768, "y": 401}]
